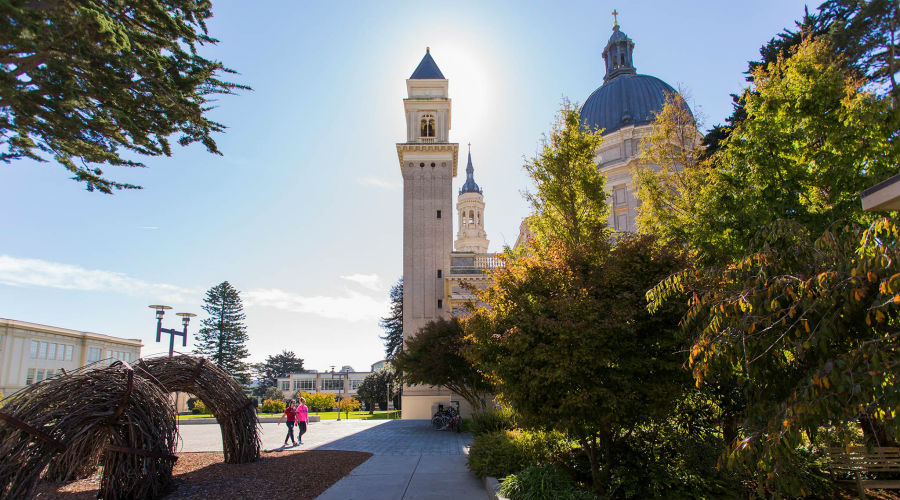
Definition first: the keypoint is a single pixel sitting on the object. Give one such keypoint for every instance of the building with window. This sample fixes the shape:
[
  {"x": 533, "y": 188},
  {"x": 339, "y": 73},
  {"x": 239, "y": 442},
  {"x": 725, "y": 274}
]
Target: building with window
[
  {"x": 343, "y": 383},
  {"x": 440, "y": 275},
  {"x": 30, "y": 352}
]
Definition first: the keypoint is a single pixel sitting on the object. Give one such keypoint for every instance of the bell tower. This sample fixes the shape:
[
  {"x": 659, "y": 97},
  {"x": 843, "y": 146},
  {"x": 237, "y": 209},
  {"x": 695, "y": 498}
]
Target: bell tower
[
  {"x": 428, "y": 164},
  {"x": 470, "y": 212}
]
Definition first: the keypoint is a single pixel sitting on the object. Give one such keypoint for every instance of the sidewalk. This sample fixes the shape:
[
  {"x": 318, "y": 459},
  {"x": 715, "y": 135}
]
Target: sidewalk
[{"x": 411, "y": 461}]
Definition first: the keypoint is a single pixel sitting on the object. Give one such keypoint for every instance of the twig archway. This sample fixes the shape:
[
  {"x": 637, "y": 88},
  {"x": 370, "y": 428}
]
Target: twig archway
[
  {"x": 108, "y": 416},
  {"x": 221, "y": 393}
]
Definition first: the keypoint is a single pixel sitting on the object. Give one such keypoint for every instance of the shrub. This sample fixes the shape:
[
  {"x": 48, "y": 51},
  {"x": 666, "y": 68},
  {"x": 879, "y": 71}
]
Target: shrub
[
  {"x": 321, "y": 401},
  {"x": 348, "y": 404},
  {"x": 501, "y": 453},
  {"x": 542, "y": 482},
  {"x": 502, "y": 418},
  {"x": 199, "y": 408},
  {"x": 272, "y": 406}
]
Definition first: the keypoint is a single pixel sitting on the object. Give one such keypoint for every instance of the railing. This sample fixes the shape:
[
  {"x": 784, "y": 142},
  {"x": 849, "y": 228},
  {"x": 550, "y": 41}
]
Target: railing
[
  {"x": 428, "y": 140},
  {"x": 488, "y": 261},
  {"x": 474, "y": 263}
]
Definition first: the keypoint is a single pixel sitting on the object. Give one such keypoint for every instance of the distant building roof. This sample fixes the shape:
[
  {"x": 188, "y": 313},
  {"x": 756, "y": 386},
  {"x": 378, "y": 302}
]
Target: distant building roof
[{"x": 427, "y": 69}]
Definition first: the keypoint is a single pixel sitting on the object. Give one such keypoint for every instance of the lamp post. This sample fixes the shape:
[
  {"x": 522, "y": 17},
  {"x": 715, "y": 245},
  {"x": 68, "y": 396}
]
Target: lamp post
[
  {"x": 185, "y": 319},
  {"x": 339, "y": 394}
]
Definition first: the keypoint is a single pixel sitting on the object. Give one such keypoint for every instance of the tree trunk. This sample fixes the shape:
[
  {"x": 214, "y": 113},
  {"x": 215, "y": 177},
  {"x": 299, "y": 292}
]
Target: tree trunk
[
  {"x": 589, "y": 445},
  {"x": 730, "y": 429},
  {"x": 875, "y": 432}
]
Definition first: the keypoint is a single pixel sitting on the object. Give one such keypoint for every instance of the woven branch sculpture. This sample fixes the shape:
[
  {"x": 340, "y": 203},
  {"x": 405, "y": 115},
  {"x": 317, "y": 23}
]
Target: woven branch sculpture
[
  {"x": 223, "y": 395},
  {"x": 106, "y": 416}
]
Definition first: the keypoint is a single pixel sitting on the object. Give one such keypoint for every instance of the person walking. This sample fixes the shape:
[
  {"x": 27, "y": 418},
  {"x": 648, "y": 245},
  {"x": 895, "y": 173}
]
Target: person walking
[
  {"x": 291, "y": 414},
  {"x": 302, "y": 419}
]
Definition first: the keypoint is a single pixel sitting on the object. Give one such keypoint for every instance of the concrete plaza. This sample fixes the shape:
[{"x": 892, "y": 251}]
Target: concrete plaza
[{"x": 410, "y": 460}]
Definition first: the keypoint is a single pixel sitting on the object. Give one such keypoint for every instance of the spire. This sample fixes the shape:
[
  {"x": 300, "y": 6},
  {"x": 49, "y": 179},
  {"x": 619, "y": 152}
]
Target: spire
[
  {"x": 618, "y": 53},
  {"x": 427, "y": 69},
  {"x": 470, "y": 186}
]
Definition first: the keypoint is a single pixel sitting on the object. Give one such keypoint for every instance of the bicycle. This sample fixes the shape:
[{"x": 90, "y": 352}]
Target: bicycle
[{"x": 446, "y": 419}]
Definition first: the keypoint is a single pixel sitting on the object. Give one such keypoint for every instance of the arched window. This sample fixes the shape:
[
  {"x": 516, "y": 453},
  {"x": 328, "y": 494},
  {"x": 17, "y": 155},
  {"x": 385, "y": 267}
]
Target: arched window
[
  {"x": 478, "y": 218},
  {"x": 426, "y": 128},
  {"x": 471, "y": 216}
]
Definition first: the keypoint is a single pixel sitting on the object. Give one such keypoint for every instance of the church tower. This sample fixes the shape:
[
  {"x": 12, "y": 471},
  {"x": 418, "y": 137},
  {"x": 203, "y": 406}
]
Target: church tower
[
  {"x": 470, "y": 211},
  {"x": 428, "y": 164}
]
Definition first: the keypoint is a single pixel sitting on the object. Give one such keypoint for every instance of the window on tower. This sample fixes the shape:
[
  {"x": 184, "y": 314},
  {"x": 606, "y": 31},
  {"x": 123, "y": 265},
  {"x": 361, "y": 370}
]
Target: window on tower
[{"x": 427, "y": 126}]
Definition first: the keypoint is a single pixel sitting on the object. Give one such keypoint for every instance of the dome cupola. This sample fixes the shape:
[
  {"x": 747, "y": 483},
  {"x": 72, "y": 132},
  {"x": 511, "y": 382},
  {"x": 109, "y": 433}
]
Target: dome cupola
[
  {"x": 617, "y": 54},
  {"x": 626, "y": 97}
]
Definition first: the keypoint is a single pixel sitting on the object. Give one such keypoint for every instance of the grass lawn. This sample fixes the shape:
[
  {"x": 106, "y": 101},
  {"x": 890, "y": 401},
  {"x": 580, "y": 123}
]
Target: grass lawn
[
  {"x": 326, "y": 415},
  {"x": 363, "y": 415}
]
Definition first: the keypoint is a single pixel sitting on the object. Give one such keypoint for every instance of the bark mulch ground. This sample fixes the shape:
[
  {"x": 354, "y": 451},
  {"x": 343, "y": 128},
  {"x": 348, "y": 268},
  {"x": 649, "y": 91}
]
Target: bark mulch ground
[{"x": 300, "y": 475}]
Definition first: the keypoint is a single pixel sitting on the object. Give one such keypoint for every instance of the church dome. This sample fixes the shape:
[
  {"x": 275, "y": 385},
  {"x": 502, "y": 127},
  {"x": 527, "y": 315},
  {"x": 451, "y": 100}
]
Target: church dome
[{"x": 625, "y": 98}]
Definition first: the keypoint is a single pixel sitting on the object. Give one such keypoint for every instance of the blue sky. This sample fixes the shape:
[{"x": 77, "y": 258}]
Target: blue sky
[{"x": 303, "y": 212}]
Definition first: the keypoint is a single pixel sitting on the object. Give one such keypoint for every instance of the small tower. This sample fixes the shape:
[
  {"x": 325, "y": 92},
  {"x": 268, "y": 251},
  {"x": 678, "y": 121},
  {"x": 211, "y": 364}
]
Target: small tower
[{"x": 470, "y": 209}]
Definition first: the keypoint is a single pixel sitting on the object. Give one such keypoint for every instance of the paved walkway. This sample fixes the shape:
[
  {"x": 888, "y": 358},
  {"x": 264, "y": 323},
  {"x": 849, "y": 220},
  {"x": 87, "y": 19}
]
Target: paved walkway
[{"x": 411, "y": 461}]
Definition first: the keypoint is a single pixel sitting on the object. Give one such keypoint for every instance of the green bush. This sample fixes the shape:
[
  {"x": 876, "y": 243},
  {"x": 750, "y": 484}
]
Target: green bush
[
  {"x": 542, "y": 482},
  {"x": 199, "y": 408},
  {"x": 272, "y": 406},
  {"x": 502, "y": 418},
  {"x": 322, "y": 401},
  {"x": 502, "y": 453}
]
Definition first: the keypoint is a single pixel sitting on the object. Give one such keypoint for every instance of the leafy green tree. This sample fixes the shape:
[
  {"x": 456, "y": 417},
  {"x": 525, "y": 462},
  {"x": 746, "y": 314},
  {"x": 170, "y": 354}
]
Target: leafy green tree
[
  {"x": 83, "y": 81},
  {"x": 435, "y": 356},
  {"x": 564, "y": 332},
  {"x": 277, "y": 365},
  {"x": 392, "y": 324},
  {"x": 671, "y": 178},
  {"x": 572, "y": 347},
  {"x": 812, "y": 140},
  {"x": 810, "y": 327},
  {"x": 377, "y": 388},
  {"x": 223, "y": 337},
  {"x": 569, "y": 200}
]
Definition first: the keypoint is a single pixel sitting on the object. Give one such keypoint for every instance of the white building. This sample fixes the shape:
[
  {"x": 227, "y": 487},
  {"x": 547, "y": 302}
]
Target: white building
[
  {"x": 30, "y": 352},
  {"x": 343, "y": 383}
]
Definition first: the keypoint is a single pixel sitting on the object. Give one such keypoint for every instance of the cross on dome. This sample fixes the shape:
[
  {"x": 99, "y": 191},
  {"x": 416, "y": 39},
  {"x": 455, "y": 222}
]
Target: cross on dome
[{"x": 615, "y": 14}]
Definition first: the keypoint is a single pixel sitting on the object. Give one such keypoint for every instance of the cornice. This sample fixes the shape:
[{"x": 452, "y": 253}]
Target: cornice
[{"x": 435, "y": 147}]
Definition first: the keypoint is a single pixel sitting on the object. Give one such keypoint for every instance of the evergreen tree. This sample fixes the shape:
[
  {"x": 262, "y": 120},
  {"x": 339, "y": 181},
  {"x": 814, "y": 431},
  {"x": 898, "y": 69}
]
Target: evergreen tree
[
  {"x": 83, "y": 82},
  {"x": 223, "y": 336},
  {"x": 393, "y": 322},
  {"x": 278, "y": 365}
]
